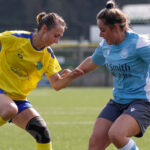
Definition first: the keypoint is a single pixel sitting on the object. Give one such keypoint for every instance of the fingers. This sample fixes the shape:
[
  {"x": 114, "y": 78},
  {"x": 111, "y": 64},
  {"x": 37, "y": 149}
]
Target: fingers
[
  {"x": 72, "y": 74},
  {"x": 65, "y": 72}
]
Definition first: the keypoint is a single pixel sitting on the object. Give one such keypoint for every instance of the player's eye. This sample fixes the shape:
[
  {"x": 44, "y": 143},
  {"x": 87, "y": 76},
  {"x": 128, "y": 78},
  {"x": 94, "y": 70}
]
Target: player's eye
[
  {"x": 102, "y": 30},
  {"x": 56, "y": 35}
]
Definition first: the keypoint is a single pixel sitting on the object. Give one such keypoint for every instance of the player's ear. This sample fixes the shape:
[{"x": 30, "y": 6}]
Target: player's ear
[
  {"x": 44, "y": 28},
  {"x": 116, "y": 27}
]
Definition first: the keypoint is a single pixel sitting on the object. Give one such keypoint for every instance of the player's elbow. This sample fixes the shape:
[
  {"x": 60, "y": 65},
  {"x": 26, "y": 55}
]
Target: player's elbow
[{"x": 58, "y": 88}]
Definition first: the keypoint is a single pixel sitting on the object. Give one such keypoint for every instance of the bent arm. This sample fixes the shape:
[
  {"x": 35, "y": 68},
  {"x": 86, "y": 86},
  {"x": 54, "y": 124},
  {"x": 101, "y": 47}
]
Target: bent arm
[
  {"x": 56, "y": 82},
  {"x": 88, "y": 65},
  {"x": 59, "y": 82}
]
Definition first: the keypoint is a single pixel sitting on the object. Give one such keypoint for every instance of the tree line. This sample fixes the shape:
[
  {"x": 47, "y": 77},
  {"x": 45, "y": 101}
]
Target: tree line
[{"x": 79, "y": 14}]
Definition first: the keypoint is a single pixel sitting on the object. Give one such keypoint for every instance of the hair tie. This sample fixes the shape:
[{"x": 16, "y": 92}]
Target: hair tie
[{"x": 109, "y": 5}]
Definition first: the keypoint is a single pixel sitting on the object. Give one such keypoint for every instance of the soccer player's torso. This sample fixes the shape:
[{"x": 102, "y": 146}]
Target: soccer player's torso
[
  {"x": 128, "y": 68},
  {"x": 122, "y": 60},
  {"x": 21, "y": 65}
]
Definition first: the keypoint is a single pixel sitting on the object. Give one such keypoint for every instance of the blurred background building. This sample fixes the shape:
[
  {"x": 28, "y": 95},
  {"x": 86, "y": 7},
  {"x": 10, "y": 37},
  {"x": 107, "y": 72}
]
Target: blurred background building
[{"x": 82, "y": 36}]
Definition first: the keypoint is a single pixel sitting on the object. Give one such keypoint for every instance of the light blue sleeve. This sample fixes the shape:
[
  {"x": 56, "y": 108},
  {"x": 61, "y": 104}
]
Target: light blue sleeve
[
  {"x": 143, "y": 50},
  {"x": 98, "y": 57}
]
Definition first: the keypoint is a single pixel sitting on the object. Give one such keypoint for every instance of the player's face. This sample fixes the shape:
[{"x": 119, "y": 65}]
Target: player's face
[
  {"x": 53, "y": 35},
  {"x": 110, "y": 35}
]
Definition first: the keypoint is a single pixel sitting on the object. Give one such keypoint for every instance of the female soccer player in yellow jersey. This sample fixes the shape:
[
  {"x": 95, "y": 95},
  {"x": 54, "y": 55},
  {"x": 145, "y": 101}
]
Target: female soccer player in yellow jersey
[{"x": 24, "y": 57}]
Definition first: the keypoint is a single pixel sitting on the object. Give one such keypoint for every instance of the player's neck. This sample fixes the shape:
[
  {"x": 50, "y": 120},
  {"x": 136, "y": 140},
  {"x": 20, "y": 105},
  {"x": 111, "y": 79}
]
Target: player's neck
[
  {"x": 121, "y": 37},
  {"x": 37, "y": 42}
]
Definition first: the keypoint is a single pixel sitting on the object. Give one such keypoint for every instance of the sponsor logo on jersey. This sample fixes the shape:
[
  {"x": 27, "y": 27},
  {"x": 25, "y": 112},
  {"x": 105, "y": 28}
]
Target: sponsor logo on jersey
[{"x": 20, "y": 56}]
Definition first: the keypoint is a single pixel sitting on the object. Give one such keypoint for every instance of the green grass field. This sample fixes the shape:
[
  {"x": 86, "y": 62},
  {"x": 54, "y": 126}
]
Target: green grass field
[{"x": 70, "y": 115}]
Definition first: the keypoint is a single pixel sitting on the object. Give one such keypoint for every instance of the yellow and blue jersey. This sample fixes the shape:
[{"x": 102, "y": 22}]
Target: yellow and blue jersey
[{"x": 22, "y": 65}]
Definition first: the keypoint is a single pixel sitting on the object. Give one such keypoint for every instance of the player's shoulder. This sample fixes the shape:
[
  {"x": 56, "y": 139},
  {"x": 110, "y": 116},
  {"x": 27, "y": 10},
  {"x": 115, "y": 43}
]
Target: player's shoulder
[
  {"x": 139, "y": 39},
  {"x": 143, "y": 41},
  {"x": 15, "y": 34},
  {"x": 131, "y": 35},
  {"x": 50, "y": 51},
  {"x": 5, "y": 33},
  {"x": 21, "y": 33}
]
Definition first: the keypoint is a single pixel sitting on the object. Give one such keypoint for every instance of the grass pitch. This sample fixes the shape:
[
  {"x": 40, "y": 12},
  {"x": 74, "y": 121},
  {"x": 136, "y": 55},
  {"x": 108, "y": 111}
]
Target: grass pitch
[{"x": 70, "y": 115}]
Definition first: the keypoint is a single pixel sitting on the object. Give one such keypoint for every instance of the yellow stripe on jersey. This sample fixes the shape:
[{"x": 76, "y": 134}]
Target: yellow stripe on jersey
[{"x": 22, "y": 65}]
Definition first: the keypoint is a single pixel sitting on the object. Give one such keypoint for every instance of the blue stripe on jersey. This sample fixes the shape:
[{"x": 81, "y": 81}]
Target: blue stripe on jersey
[
  {"x": 23, "y": 35},
  {"x": 51, "y": 52}
]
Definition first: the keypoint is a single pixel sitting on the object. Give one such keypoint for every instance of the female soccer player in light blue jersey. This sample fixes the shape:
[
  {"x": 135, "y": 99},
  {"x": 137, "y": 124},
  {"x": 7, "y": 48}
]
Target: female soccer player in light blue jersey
[{"x": 127, "y": 56}]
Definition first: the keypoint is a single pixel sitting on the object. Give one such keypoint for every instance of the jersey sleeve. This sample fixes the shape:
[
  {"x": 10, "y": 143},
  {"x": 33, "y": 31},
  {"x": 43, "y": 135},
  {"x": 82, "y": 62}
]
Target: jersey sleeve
[
  {"x": 97, "y": 56},
  {"x": 1, "y": 40},
  {"x": 143, "y": 49},
  {"x": 1, "y": 36},
  {"x": 6, "y": 40},
  {"x": 53, "y": 65}
]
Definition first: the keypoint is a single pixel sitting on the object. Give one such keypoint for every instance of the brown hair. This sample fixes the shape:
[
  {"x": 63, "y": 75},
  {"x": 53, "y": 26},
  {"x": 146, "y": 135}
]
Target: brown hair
[
  {"x": 50, "y": 20},
  {"x": 111, "y": 15}
]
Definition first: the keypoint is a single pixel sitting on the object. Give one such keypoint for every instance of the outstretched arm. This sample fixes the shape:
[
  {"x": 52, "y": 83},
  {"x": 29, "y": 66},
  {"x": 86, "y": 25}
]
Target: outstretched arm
[
  {"x": 59, "y": 82},
  {"x": 87, "y": 65}
]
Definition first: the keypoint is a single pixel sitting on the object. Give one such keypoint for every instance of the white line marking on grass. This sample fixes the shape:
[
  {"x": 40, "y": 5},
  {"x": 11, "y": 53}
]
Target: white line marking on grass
[
  {"x": 67, "y": 113},
  {"x": 75, "y": 109},
  {"x": 71, "y": 123}
]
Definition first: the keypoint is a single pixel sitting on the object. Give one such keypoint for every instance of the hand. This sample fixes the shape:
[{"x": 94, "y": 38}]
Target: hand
[
  {"x": 72, "y": 74},
  {"x": 65, "y": 72}
]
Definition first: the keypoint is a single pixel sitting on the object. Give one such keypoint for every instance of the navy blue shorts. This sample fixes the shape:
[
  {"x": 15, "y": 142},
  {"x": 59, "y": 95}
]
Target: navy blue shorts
[
  {"x": 21, "y": 104},
  {"x": 138, "y": 109}
]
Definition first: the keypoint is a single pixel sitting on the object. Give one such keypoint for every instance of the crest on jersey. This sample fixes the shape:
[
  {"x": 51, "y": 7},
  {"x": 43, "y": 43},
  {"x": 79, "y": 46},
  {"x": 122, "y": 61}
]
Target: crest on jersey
[
  {"x": 124, "y": 53},
  {"x": 39, "y": 65},
  {"x": 108, "y": 52}
]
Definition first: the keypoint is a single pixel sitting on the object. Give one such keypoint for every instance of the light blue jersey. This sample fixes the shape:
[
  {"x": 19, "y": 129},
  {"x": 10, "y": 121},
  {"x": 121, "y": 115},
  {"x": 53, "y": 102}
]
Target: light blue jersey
[{"x": 129, "y": 64}]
